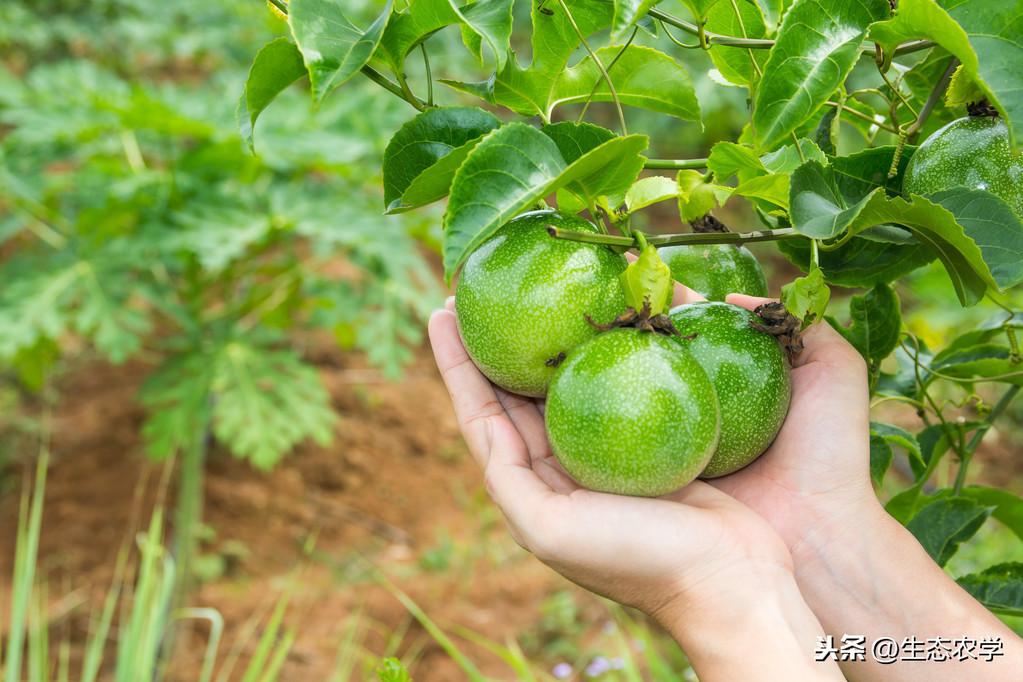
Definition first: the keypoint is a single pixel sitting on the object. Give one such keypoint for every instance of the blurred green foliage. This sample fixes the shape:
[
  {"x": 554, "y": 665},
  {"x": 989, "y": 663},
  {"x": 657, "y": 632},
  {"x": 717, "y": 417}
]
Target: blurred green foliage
[{"x": 133, "y": 219}]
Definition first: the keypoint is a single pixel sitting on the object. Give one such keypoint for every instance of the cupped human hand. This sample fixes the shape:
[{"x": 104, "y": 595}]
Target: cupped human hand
[
  {"x": 815, "y": 476},
  {"x": 662, "y": 555}
]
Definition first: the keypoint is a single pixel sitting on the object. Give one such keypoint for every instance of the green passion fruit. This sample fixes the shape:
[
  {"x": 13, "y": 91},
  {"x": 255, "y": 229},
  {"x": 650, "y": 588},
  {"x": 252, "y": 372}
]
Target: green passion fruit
[
  {"x": 633, "y": 413},
  {"x": 716, "y": 270},
  {"x": 749, "y": 372},
  {"x": 969, "y": 152},
  {"x": 523, "y": 297}
]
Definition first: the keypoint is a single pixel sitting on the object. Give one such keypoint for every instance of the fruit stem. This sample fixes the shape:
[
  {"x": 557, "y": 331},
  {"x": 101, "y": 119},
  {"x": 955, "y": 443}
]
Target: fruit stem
[{"x": 686, "y": 238}]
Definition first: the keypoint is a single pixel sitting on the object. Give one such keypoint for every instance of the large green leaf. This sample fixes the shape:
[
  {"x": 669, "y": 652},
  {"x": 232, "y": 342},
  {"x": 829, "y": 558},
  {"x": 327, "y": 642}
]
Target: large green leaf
[
  {"x": 819, "y": 210},
  {"x": 333, "y": 48},
  {"x": 943, "y": 524},
  {"x": 857, "y": 175},
  {"x": 487, "y": 20},
  {"x": 876, "y": 323},
  {"x": 738, "y": 65},
  {"x": 422, "y": 143},
  {"x": 999, "y": 588},
  {"x": 817, "y": 45},
  {"x": 576, "y": 139},
  {"x": 514, "y": 167},
  {"x": 277, "y": 65},
  {"x": 643, "y": 77},
  {"x": 993, "y": 225},
  {"x": 985, "y": 35}
]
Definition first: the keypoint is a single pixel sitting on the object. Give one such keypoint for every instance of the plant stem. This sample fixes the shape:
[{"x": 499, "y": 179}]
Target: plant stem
[
  {"x": 686, "y": 238},
  {"x": 189, "y": 506},
  {"x": 861, "y": 115},
  {"x": 429, "y": 74},
  {"x": 600, "y": 66},
  {"x": 675, "y": 164},
  {"x": 932, "y": 100},
  {"x": 763, "y": 43},
  {"x": 978, "y": 435},
  {"x": 711, "y": 38}
]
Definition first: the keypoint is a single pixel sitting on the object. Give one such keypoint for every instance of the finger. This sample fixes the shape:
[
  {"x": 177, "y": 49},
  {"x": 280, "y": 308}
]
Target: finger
[
  {"x": 821, "y": 343},
  {"x": 510, "y": 478},
  {"x": 471, "y": 394},
  {"x": 684, "y": 294},
  {"x": 528, "y": 421},
  {"x": 696, "y": 494}
]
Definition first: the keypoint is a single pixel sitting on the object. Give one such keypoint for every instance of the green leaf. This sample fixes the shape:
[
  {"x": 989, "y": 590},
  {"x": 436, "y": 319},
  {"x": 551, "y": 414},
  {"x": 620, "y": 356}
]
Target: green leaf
[
  {"x": 999, "y": 588},
  {"x": 942, "y": 525},
  {"x": 807, "y": 297},
  {"x": 696, "y": 198},
  {"x": 736, "y": 64},
  {"x": 880, "y": 458},
  {"x": 333, "y": 48},
  {"x": 860, "y": 262},
  {"x": 876, "y": 323},
  {"x": 277, "y": 65},
  {"x": 772, "y": 189},
  {"x": 648, "y": 191},
  {"x": 491, "y": 20},
  {"x": 983, "y": 34},
  {"x": 422, "y": 143},
  {"x": 391, "y": 670},
  {"x": 514, "y": 167},
  {"x": 993, "y": 225},
  {"x": 1008, "y": 506},
  {"x": 576, "y": 139},
  {"x": 643, "y": 77},
  {"x": 627, "y": 13},
  {"x": 267, "y": 402},
  {"x": 819, "y": 210},
  {"x": 728, "y": 158},
  {"x": 897, "y": 436},
  {"x": 857, "y": 175},
  {"x": 989, "y": 361},
  {"x": 647, "y": 281},
  {"x": 817, "y": 45}
]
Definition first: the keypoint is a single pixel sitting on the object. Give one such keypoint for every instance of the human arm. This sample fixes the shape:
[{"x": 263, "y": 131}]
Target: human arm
[
  {"x": 707, "y": 568},
  {"x": 859, "y": 569}
]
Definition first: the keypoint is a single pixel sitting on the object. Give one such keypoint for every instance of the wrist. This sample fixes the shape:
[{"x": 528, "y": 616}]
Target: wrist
[{"x": 749, "y": 624}]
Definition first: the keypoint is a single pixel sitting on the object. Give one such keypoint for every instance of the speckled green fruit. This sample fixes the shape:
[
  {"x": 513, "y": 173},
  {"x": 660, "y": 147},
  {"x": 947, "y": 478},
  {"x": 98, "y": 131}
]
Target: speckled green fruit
[
  {"x": 750, "y": 375},
  {"x": 969, "y": 152},
  {"x": 716, "y": 270},
  {"x": 522, "y": 298},
  {"x": 631, "y": 413}
]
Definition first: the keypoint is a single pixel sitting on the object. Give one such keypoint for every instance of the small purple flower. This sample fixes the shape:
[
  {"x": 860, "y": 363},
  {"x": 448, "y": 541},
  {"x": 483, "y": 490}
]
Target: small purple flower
[
  {"x": 562, "y": 671},
  {"x": 597, "y": 667}
]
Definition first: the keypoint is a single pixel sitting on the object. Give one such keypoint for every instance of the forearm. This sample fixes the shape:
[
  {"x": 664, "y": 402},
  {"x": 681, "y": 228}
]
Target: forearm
[
  {"x": 870, "y": 577},
  {"x": 761, "y": 629}
]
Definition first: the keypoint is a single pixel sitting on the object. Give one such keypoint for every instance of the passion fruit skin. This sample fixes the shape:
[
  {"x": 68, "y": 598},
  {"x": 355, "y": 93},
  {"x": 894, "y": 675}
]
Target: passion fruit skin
[
  {"x": 749, "y": 372},
  {"x": 523, "y": 296},
  {"x": 971, "y": 152},
  {"x": 631, "y": 412},
  {"x": 716, "y": 270}
]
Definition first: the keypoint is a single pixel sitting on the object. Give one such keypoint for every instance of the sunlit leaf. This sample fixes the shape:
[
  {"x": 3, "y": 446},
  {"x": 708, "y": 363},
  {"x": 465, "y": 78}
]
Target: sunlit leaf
[
  {"x": 817, "y": 45},
  {"x": 277, "y": 65}
]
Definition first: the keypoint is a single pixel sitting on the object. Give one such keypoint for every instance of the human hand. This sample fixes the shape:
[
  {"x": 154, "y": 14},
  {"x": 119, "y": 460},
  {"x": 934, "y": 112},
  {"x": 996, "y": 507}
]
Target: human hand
[
  {"x": 696, "y": 560},
  {"x": 815, "y": 477}
]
